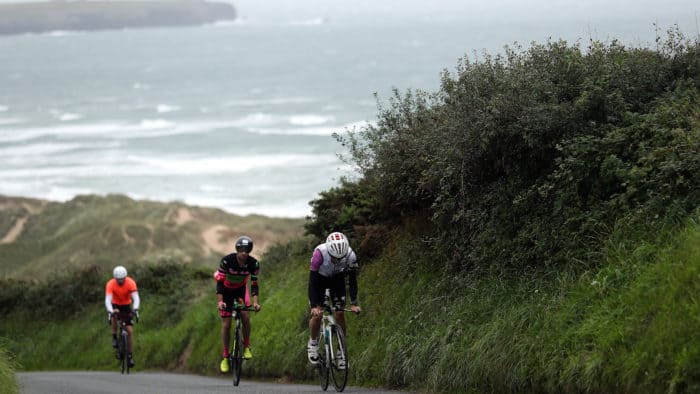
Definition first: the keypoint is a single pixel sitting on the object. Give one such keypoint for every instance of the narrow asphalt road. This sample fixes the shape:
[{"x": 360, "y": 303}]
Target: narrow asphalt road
[{"x": 78, "y": 382}]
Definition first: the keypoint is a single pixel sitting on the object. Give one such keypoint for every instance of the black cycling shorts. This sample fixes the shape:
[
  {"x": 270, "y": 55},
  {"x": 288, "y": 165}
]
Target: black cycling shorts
[
  {"x": 124, "y": 314},
  {"x": 318, "y": 285}
]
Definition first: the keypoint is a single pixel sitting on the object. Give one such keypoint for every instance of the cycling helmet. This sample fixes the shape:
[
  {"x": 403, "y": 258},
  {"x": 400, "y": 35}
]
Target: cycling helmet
[
  {"x": 119, "y": 272},
  {"x": 337, "y": 245},
  {"x": 244, "y": 244}
]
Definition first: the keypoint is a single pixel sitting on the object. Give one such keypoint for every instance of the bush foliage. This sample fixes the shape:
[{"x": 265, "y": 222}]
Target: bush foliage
[{"x": 529, "y": 158}]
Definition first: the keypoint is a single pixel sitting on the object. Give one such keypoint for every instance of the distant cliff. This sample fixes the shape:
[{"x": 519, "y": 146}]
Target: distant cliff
[{"x": 40, "y": 17}]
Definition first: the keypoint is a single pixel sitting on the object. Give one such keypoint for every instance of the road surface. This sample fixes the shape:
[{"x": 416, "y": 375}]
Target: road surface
[{"x": 78, "y": 382}]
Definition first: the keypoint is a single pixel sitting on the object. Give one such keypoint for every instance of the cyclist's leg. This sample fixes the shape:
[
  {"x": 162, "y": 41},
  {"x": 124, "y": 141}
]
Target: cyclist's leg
[
  {"x": 225, "y": 334},
  {"x": 114, "y": 329},
  {"x": 228, "y": 298},
  {"x": 317, "y": 286},
  {"x": 338, "y": 296},
  {"x": 245, "y": 317},
  {"x": 126, "y": 316},
  {"x": 245, "y": 320},
  {"x": 130, "y": 330}
]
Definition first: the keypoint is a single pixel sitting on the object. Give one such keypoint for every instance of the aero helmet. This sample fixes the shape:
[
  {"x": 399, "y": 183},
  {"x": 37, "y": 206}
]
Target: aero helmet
[
  {"x": 119, "y": 272},
  {"x": 337, "y": 245},
  {"x": 244, "y": 244}
]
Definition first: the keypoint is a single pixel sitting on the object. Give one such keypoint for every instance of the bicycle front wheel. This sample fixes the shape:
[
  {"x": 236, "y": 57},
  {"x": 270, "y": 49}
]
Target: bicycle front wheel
[
  {"x": 237, "y": 357},
  {"x": 323, "y": 361},
  {"x": 123, "y": 350},
  {"x": 338, "y": 359}
]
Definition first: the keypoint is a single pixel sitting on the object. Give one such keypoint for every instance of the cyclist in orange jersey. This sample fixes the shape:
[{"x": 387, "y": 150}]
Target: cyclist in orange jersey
[{"x": 120, "y": 291}]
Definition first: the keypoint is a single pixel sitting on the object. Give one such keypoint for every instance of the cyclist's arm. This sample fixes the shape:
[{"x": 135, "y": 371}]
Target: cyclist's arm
[
  {"x": 108, "y": 302},
  {"x": 315, "y": 289},
  {"x": 135, "y": 299},
  {"x": 254, "y": 288},
  {"x": 352, "y": 281},
  {"x": 353, "y": 269}
]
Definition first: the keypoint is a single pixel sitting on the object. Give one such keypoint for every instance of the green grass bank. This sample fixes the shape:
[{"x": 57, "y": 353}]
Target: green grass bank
[{"x": 629, "y": 326}]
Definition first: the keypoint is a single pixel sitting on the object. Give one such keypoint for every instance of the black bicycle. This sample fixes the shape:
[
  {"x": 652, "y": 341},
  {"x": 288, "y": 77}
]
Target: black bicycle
[
  {"x": 236, "y": 353},
  {"x": 122, "y": 350},
  {"x": 332, "y": 352}
]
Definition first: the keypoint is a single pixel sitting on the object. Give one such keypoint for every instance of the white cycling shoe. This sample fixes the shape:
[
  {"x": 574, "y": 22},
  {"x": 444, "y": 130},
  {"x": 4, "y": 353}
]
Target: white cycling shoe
[
  {"x": 341, "y": 363},
  {"x": 312, "y": 351}
]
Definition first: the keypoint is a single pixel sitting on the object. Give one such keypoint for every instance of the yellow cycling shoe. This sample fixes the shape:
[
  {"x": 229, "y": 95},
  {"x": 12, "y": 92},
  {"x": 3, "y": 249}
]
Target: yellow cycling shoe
[
  {"x": 224, "y": 366},
  {"x": 247, "y": 354}
]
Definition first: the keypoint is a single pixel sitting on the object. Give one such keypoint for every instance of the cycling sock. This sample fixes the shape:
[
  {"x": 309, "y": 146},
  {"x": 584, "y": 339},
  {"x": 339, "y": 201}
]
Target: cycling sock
[
  {"x": 226, "y": 353},
  {"x": 313, "y": 342},
  {"x": 114, "y": 335},
  {"x": 246, "y": 342}
]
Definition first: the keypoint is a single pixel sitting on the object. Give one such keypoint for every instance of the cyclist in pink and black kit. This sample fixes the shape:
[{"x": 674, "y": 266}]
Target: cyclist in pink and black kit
[
  {"x": 331, "y": 263},
  {"x": 232, "y": 277}
]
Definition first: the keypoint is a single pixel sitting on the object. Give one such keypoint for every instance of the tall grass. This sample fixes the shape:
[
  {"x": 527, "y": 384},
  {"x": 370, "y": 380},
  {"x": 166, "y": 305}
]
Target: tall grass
[
  {"x": 7, "y": 372},
  {"x": 630, "y": 325}
]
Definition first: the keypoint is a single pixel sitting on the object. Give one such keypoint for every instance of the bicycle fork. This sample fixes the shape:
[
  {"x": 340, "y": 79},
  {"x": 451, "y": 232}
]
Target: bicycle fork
[{"x": 328, "y": 343}]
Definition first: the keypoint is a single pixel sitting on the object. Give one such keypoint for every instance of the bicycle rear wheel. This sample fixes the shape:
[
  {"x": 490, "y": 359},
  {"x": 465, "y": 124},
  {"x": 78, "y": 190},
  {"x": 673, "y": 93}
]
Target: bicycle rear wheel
[
  {"x": 323, "y": 362},
  {"x": 237, "y": 357},
  {"x": 339, "y": 359}
]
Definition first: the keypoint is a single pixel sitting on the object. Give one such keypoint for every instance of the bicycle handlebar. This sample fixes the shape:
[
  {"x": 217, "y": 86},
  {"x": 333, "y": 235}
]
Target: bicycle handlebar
[{"x": 114, "y": 314}]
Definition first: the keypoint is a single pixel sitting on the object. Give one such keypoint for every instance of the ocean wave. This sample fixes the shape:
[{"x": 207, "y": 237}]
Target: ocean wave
[
  {"x": 317, "y": 131},
  {"x": 116, "y": 165},
  {"x": 146, "y": 128},
  {"x": 10, "y": 121},
  {"x": 41, "y": 149},
  {"x": 310, "y": 120},
  {"x": 165, "y": 108},
  {"x": 270, "y": 101},
  {"x": 65, "y": 116},
  {"x": 310, "y": 22}
]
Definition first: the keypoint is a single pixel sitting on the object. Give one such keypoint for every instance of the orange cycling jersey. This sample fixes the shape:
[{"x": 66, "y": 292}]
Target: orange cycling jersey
[{"x": 121, "y": 295}]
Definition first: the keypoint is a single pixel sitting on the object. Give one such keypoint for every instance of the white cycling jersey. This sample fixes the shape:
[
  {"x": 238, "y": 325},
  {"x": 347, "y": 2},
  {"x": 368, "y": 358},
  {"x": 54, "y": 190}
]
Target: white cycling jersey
[{"x": 322, "y": 263}]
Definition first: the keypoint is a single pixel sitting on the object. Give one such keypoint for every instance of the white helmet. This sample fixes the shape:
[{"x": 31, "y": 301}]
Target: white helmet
[
  {"x": 119, "y": 272},
  {"x": 337, "y": 245}
]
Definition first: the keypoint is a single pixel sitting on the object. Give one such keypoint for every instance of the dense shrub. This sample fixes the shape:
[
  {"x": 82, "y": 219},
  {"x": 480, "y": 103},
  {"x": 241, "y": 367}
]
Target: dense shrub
[{"x": 530, "y": 157}]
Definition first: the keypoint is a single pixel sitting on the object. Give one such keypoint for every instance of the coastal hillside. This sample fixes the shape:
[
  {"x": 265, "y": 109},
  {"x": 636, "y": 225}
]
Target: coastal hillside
[
  {"x": 40, "y": 238},
  {"x": 40, "y": 17}
]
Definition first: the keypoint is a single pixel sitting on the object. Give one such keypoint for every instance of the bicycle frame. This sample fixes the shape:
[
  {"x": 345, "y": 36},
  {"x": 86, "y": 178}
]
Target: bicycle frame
[
  {"x": 236, "y": 352},
  {"x": 122, "y": 345},
  {"x": 332, "y": 348},
  {"x": 122, "y": 341}
]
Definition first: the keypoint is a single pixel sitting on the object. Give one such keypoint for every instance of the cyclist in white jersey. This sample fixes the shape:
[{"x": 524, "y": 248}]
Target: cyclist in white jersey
[{"x": 331, "y": 263}]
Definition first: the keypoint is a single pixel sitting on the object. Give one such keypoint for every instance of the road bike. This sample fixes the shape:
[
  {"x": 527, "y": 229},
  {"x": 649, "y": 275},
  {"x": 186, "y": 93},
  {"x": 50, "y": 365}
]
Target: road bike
[
  {"x": 122, "y": 350},
  {"x": 332, "y": 353},
  {"x": 235, "y": 355}
]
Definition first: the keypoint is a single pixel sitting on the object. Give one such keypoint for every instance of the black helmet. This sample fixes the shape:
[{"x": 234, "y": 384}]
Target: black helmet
[{"x": 244, "y": 244}]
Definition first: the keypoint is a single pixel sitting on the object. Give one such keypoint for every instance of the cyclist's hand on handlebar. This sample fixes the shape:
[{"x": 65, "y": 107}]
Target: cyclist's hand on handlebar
[
  {"x": 355, "y": 309},
  {"x": 256, "y": 307},
  {"x": 221, "y": 305},
  {"x": 136, "y": 313}
]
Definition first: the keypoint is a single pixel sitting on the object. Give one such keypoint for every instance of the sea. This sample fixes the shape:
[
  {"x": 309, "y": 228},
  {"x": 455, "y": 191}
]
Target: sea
[{"x": 239, "y": 115}]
